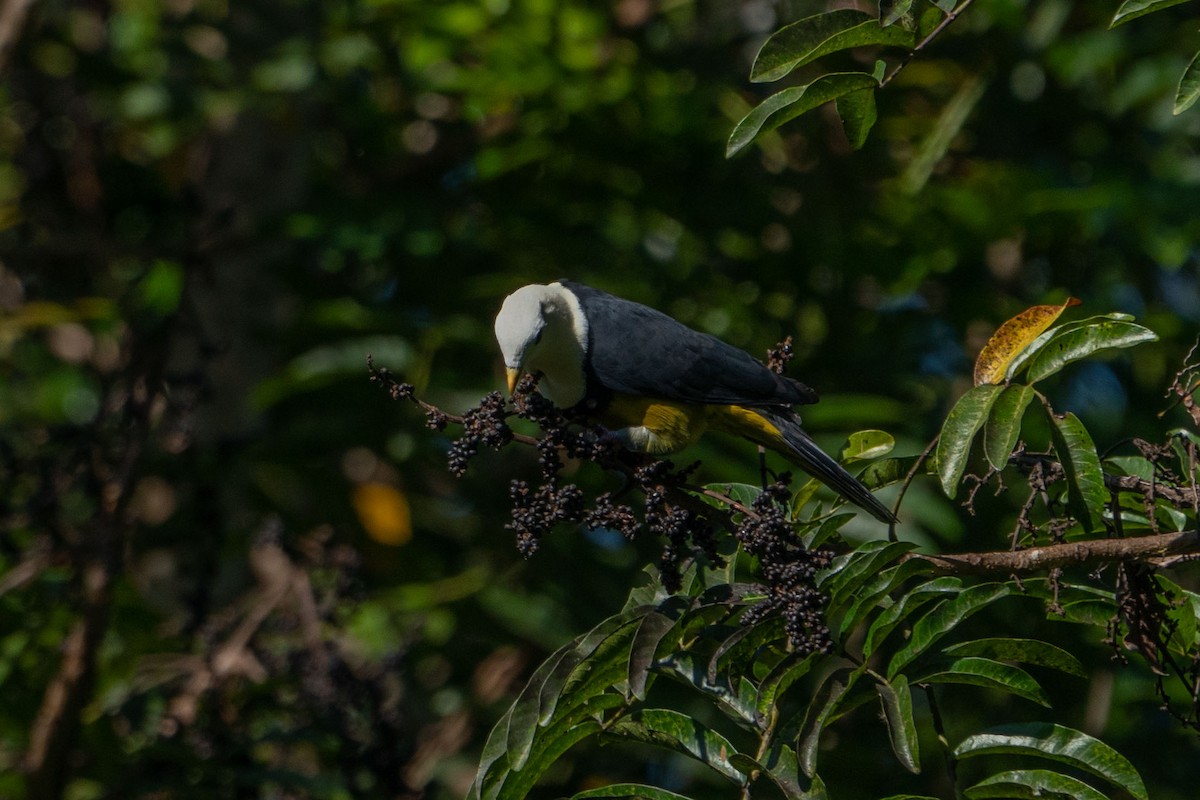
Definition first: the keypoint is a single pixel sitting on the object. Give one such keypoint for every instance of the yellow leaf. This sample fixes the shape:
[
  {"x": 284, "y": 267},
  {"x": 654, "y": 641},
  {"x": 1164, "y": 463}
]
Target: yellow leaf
[
  {"x": 383, "y": 512},
  {"x": 1011, "y": 338}
]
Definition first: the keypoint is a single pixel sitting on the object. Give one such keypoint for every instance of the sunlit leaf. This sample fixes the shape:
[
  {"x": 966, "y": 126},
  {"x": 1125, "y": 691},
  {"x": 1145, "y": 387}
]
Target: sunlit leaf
[
  {"x": 1011, "y": 339},
  {"x": 1189, "y": 87},
  {"x": 1032, "y": 784},
  {"x": 1081, "y": 342},
  {"x": 679, "y": 732},
  {"x": 866, "y": 445},
  {"x": 1132, "y": 9},
  {"x": 975, "y": 671},
  {"x": 944, "y": 618},
  {"x": 623, "y": 790},
  {"x": 892, "y": 616},
  {"x": 1026, "y": 651},
  {"x": 1089, "y": 612},
  {"x": 1003, "y": 425},
  {"x": 896, "y": 699},
  {"x": 887, "y": 471},
  {"x": 791, "y": 103},
  {"x": 958, "y": 431},
  {"x": 1058, "y": 743},
  {"x": 740, "y": 704},
  {"x": 1085, "y": 478},
  {"x": 870, "y": 595},
  {"x": 828, "y": 528},
  {"x": 865, "y": 563},
  {"x": 810, "y": 38}
]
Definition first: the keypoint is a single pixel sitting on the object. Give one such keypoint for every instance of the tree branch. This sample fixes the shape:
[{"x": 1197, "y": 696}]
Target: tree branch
[{"x": 1039, "y": 559}]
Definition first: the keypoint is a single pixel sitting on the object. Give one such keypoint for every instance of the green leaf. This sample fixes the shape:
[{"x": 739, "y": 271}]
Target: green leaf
[
  {"x": 1067, "y": 344},
  {"x": 959, "y": 429},
  {"x": 858, "y": 113},
  {"x": 892, "y": 12},
  {"x": 887, "y": 471},
  {"x": 985, "y": 672},
  {"x": 827, "y": 528},
  {"x": 1086, "y": 493},
  {"x": 867, "y": 444},
  {"x": 1025, "y": 651},
  {"x": 946, "y": 5},
  {"x": 791, "y": 103},
  {"x": 865, "y": 563},
  {"x": 1089, "y": 612},
  {"x": 675, "y": 731},
  {"x": 651, "y": 631},
  {"x": 810, "y": 38},
  {"x": 497, "y": 779},
  {"x": 826, "y": 700},
  {"x": 883, "y": 584},
  {"x": 954, "y": 115},
  {"x": 780, "y": 765},
  {"x": 744, "y": 493},
  {"x": 944, "y": 618},
  {"x": 1189, "y": 87},
  {"x": 692, "y": 670},
  {"x": 744, "y": 645},
  {"x": 538, "y": 700},
  {"x": 791, "y": 669},
  {"x": 1022, "y": 359},
  {"x": 892, "y": 616},
  {"x": 619, "y": 790},
  {"x": 1132, "y": 9},
  {"x": 1004, "y": 424},
  {"x": 902, "y": 726},
  {"x": 1032, "y": 784},
  {"x": 1065, "y": 745}
]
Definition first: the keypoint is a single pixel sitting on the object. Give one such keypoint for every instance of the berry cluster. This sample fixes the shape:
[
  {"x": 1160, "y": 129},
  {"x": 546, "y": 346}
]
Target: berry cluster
[
  {"x": 789, "y": 570},
  {"x": 671, "y": 512},
  {"x": 779, "y": 356},
  {"x": 683, "y": 529},
  {"x": 482, "y": 425}
]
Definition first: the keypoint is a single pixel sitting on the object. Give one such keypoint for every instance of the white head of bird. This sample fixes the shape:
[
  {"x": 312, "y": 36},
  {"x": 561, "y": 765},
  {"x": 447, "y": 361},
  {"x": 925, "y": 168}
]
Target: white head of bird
[{"x": 541, "y": 328}]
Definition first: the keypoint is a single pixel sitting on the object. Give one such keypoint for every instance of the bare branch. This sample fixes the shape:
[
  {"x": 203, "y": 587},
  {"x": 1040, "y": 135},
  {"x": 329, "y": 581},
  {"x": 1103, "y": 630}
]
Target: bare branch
[{"x": 1039, "y": 559}]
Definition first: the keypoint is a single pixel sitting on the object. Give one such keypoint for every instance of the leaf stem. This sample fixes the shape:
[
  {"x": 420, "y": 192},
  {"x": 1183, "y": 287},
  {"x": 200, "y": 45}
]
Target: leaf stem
[
  {"x": 921, "y": 45},
  {"x": 939, "y": 728}
]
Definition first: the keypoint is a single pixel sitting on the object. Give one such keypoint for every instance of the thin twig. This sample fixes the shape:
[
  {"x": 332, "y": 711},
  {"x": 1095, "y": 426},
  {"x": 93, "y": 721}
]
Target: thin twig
[
  {"x": 936, "y": 716},
  {"x": 921, "y": 45}
]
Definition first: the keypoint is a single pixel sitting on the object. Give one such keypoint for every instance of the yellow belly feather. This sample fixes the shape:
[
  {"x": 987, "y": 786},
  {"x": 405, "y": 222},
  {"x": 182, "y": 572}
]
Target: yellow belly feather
[{"x": 662, "y": 426}]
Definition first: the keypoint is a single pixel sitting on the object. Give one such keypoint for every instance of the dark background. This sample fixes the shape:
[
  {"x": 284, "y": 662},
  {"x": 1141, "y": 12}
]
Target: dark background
[{"x": 212, "y": 211}]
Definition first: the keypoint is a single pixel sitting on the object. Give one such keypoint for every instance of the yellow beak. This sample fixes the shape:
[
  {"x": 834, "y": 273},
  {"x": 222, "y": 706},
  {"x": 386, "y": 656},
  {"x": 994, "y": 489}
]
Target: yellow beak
[{"x": 513, "y": 376}]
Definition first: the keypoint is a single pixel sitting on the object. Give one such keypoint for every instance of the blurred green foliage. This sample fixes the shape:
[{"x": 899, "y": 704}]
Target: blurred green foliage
[{"x": 213, "y": 211}]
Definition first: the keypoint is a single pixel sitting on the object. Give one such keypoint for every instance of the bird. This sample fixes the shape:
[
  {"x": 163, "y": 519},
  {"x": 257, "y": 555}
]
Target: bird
[{"x": 656, "y": 384}]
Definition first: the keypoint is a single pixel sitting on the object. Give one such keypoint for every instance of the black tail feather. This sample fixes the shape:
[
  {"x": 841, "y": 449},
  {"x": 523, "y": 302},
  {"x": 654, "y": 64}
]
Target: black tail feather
[{"x": 813, "y": 460}]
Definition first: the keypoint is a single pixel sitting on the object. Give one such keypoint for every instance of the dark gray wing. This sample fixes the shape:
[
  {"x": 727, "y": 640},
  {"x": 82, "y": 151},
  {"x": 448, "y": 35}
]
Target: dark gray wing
[{"x": 634, "y": 349}]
